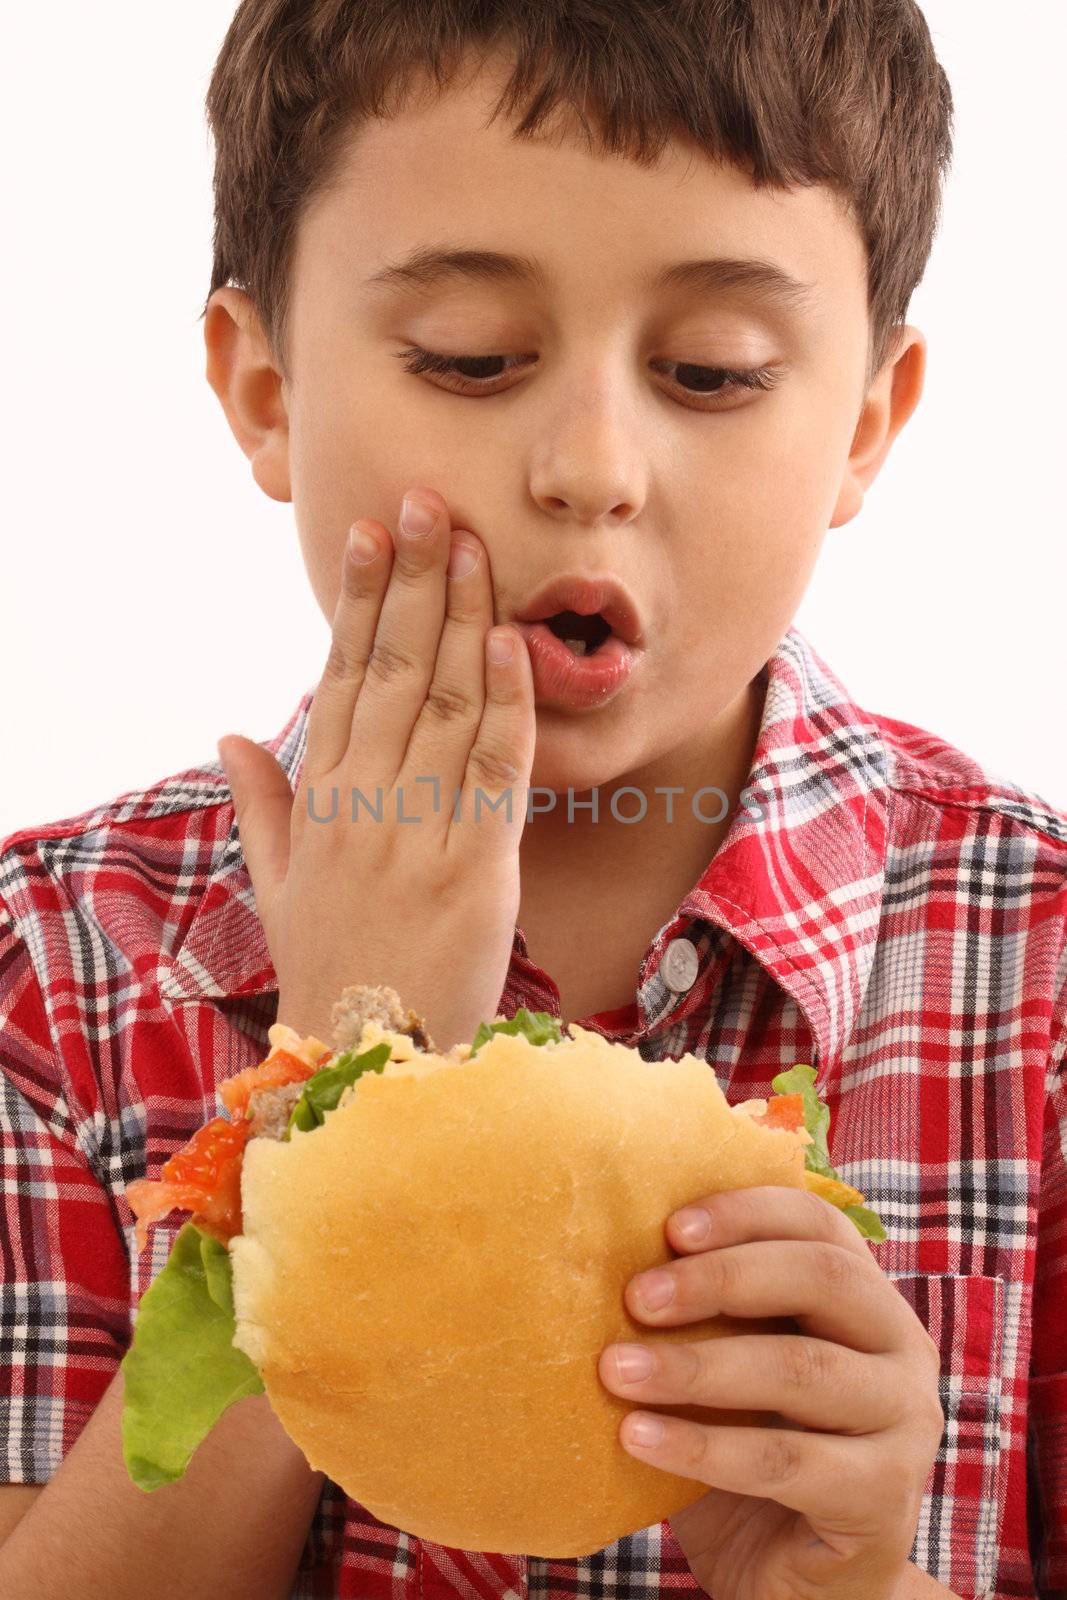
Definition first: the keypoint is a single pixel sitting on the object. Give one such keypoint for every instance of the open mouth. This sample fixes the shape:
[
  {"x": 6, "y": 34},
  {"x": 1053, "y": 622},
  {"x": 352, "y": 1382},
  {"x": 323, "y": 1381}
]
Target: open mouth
[{"x": 582, "y": 635}]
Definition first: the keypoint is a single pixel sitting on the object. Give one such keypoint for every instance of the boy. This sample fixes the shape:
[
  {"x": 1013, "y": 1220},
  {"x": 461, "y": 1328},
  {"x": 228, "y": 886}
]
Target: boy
[{"x": 652, "y": 339}]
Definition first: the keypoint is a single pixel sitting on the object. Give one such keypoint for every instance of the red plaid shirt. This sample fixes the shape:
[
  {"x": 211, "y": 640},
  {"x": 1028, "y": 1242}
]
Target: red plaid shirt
[{"x": 887, "y": 911}]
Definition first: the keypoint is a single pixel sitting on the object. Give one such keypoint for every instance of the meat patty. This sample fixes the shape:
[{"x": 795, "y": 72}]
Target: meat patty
[
  {"x": 362, "y": 1002},
  {"x": 269, "y": 1110}
]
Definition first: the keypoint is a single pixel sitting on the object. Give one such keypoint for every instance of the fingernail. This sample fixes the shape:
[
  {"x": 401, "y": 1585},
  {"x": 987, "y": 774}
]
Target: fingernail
[
  {"x": 416, "y": 517},
  {"x": 644, "y": 1430},
  {"x": 655, "y": 1290},
  {"x": 693, "y": 1223},
  {"x": 632, "y": 1362},
  {"x": 463, "y": 559},
  {"x": 361, "y": 544},
  {"x": 501, "y": 646}
]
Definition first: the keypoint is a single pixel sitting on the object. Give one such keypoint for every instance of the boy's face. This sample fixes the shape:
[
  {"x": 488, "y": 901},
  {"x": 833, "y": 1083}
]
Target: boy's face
[{"x": 599, "y": 456}]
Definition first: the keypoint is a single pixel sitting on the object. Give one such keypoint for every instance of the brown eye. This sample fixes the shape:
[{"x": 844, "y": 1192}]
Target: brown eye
[
  {"x": 705, "y": 379},
  {"x": 715, "y": 380},
  {"x": 692, "y": 379},
  {"x": 418, "y": 361},
  {"x": 458, "y": 364}
]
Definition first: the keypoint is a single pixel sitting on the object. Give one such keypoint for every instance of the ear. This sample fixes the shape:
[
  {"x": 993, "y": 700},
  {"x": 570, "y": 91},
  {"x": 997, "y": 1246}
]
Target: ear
[
  {"x": 243, "y": 373},
  {"x": 889, "y": 402}
]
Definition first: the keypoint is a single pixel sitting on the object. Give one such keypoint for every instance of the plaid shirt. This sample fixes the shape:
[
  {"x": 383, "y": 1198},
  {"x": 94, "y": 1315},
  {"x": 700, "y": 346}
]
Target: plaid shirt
[{"x": 886, "y": 911}]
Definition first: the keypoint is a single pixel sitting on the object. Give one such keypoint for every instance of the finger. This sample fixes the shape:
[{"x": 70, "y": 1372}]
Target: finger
[
  {"x": 446, "y": 727},
  {"x": 263, "y": 806},
  {"x": 497, "y": 779},
  {"x": 401, "y": 662},
  {"x": 767, "y": 1211},
  {"x": 809, "y": 1381},
  {"x": 830, "y": 1292},
  {"x": 355, "y": 619},
  {"x": 820, "y": 1475}
]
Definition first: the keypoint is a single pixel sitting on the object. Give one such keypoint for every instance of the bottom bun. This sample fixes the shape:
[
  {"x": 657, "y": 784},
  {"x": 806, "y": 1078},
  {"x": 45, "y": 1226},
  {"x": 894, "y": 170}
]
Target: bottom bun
[{"x": 427, "y": 1280}]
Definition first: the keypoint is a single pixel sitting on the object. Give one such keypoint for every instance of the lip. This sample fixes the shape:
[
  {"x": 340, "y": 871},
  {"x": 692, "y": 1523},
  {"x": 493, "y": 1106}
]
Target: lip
[
  {"x": 576, "y": 683},
  {"x": 586, "y": 596}
]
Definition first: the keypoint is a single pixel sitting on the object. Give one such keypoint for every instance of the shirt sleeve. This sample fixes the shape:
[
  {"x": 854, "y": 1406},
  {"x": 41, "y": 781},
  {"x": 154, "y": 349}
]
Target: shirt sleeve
[
  {"x": 64, "y": 1274},
  {"x": 1048, "y": 1369}
]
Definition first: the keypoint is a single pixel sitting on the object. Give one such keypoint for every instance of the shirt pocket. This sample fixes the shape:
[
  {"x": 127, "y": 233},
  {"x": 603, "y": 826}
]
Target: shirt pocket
[{"x": 963, "y": 1503}]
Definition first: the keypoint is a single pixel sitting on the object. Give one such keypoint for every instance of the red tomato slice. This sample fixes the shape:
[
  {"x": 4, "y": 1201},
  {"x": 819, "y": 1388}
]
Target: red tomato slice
[
  {"x": 783, "y": 1111},
  {"x": 203, "y": 1177},
  {"x": 282, "y": 1067}
]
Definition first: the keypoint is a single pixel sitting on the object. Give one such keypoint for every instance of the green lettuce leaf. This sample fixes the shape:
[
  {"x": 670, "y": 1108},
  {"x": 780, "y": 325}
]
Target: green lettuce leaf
[
  {"x": 182, "y": 1369},
  {"x": 868, "y": 1222},
  {"x": 540, "y": 1027},
  {"x": 325, "y": 1087},
  {"x": 801, "y": 1080}
]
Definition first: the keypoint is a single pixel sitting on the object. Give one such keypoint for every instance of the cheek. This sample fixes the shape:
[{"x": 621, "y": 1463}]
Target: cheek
[
  {"x": 770, "y": 496},
  {"x": 752, "y": 559},
  {"x": 357, "y": 444},
  {"x": 342, "y": 468},
  {"x": 752, "y": 551},
  {"x": 327, "y": 480}
]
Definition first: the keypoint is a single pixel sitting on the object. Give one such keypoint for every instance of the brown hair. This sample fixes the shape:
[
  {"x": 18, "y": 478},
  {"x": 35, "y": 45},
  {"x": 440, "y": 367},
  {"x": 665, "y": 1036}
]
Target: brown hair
[{"x": 843, "y": 92}]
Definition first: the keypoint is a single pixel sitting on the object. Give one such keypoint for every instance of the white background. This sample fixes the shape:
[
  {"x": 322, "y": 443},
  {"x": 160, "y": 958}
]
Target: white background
[{"x": 153, "y": 598}]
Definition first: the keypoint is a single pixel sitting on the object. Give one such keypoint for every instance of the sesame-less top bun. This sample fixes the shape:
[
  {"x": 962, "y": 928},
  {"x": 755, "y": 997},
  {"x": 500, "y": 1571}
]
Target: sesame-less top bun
[{"x": 426, "y": 1280}]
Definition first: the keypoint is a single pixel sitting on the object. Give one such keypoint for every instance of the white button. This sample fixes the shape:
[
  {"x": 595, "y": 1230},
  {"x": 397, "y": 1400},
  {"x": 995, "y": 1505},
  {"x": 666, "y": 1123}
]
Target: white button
[{"x": 680, "y": 965}]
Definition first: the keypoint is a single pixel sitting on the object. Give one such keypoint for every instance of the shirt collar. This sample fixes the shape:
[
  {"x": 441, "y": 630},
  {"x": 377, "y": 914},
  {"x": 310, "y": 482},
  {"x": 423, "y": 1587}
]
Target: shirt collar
[{"x": 798, "y": 879}]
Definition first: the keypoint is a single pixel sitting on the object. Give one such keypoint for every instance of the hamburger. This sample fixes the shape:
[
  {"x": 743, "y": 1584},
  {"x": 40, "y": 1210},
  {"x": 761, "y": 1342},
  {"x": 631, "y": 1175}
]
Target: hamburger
[{"x": 419, "y": 1257}]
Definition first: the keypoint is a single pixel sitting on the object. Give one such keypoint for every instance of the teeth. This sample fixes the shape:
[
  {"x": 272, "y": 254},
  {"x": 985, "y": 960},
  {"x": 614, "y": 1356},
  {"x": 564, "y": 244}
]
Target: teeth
[{"x": 579, "y": 646}]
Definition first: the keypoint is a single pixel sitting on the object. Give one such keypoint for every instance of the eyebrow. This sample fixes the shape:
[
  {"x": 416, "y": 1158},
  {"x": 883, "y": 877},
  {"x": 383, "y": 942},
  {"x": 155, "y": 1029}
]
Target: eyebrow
[{"x": 429, "y": 267}]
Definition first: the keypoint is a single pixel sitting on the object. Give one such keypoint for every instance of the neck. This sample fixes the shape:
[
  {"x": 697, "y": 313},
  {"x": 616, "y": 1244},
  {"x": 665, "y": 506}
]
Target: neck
[{"x": 553, "y": 847}]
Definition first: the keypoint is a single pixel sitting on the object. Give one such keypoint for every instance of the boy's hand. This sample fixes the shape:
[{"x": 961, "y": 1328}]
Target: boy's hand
[
  {"x": 427, "y": 906},
  {"x": 791, "y": 1514}
]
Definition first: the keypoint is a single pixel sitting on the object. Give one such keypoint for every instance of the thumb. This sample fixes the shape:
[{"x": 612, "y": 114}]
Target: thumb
[{"x": 263, "y": 804}]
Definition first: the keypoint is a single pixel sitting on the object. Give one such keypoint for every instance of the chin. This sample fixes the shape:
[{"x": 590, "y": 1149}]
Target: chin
[{"x": 579, "y": 770}]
